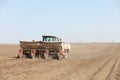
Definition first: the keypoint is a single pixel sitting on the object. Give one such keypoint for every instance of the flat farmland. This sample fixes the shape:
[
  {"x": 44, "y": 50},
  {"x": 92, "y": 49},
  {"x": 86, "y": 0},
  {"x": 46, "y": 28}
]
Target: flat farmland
[{"x": 86, "y": 61}]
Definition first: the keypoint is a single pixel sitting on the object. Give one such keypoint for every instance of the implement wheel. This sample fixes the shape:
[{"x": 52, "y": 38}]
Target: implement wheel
[
  {"x": 20, "y": 56},
  {"x": 46, "y": 56},
  {"x": 59, "y": 56},
  {"x": 46, "y": 53},
  {"x": 20, "y": 53},
  {"x": 32, "y": 55}
]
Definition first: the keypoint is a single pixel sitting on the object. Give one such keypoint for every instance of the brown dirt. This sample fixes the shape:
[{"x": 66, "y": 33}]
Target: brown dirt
[{"x": 88, "y": 61}]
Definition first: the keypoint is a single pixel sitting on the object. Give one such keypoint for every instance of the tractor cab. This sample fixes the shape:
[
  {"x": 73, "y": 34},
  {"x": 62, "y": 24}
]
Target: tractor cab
[{"x": 47, "y": 38}]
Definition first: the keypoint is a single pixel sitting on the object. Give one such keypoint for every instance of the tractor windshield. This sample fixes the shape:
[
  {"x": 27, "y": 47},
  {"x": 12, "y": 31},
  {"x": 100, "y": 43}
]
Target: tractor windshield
[{"x": 50, "y": 39}]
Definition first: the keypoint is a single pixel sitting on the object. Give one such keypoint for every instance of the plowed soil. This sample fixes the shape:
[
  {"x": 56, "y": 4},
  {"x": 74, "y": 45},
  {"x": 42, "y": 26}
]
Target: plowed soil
[{"x": 86, "y": 61}]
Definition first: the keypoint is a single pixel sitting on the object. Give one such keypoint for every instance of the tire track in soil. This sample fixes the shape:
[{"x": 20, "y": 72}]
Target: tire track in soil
[
  {"x": 72, "y": 70},
  {"x": 118, "y": 72},
  {"x": 94, "y": 58},
  {"x": 94, "y": 74},
  {"x": 111, "y": 70},
  {"x": 108, "y": 77},
  {"x": 87, "y": 62},
  {"x": 81, "y": 65}
]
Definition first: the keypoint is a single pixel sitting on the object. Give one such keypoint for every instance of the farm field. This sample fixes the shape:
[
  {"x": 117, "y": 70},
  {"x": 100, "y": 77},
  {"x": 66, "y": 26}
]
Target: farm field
[{"x": 86, "y": 61}]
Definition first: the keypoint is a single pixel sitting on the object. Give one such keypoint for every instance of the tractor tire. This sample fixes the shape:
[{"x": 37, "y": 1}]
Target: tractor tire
[
  {"x": 32, "y": 55},
  {"x": 60, "y": 56},
  {"x": 39, "y": 56},
  {"x": 20, "y": 56},
  {"x": 65, "y": 55}
]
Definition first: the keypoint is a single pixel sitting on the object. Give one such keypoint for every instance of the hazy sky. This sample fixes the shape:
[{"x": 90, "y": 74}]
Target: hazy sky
[{"x": 73, "y": 20}]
